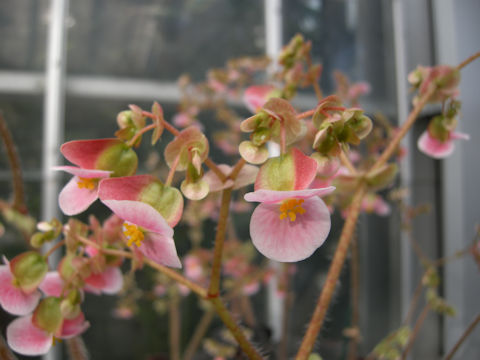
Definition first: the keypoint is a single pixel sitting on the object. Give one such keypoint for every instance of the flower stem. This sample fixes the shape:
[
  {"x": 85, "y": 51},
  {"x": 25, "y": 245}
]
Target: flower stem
[
  {"x": 174, "y": 327},
  {"x": 132, "y": 141},
  {"x": 416, "y": 329},
  {"x": 468, "y": 60},
  {"x": 76, "y": 349},
  {"x": 347, "y": 163},
  {"x": 14, "y": 159},
  {"x": 212, "y": 166},
  {"x": 174, "y": 275},
  {"x": 237, "y": 333},
  {"x": 166, "y": 124},
  {"x": 393, "y": 145},
  {"x": 333, "y": 273},
  {"x": 53, "y": 248},
  {"x": 171, "y": 173},
  {"x": 198, "y": 334},
  {"x": 463, "y": 337},
  {"x": 352, "y": 348},
  {"x": 219, "y": 240},
  {"x": 306, "y": 114}
]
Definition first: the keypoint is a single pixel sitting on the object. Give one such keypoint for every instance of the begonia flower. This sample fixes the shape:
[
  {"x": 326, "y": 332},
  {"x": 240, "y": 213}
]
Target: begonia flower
[
  {"x": 12, "y": 298},
  {"x": 27, "y": 338},
  {"x": 436, "y": 148},
  {"x": 148, "y": 209},
  {"x": 109, "y": 281},
  {"x": 95, "y": 160},
  {"x": 292, "y": 221},
  {"x": 19, "y": 281}
]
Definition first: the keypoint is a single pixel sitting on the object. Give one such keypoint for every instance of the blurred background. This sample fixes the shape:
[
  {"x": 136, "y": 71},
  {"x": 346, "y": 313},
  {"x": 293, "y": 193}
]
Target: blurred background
[{"x": 67, "y": 68}]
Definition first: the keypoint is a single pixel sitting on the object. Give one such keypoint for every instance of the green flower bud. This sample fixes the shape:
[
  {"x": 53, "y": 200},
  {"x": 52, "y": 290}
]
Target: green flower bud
[
  {"x": 119, "y": 158},
  {"x": 29, "y": 269},
  {"x": 48, "y": 316},
  {"x": 438, "y": 129}
]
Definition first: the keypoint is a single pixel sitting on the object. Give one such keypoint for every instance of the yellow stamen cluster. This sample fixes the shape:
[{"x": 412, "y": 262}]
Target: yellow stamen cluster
[
  {"x": 133, "y": 234},
  {"x": 86, "y": 183},
  {"x": 290, "y": 208}
]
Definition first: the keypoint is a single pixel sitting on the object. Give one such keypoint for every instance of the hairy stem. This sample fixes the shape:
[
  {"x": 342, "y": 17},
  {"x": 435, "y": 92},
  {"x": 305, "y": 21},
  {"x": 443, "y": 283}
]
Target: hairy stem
[
  {"x": 174, "y": 275},
  {"x": 467, "y": 332},
  {"x": 237, "y": 333},
  {"x": 333, "y": 273},
  {"x": 14, "y": 159},
  {"x": 352, "y": 348},
  {"x": 219, "y": 240},
  {"x": 347, "y": 163}
]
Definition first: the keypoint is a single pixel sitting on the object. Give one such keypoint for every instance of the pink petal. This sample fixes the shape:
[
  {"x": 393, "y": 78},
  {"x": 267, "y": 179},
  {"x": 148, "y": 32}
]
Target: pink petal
[
  {"x": 289, "y": 241},
  {"x": 140, "y": 214},
  {"x": 305, "y": 169},
  {"x": 12, "y": 299},
  {"x": 160, "y": 249},
  {"x": 246, "y": 176},
  {"x": 74, "y": 200},
  {"x": 74, "y": 327},
  {"x": 52, "y": 284},
  {"x": 124, "y": 188},
  {"x": 85, "y": 153},
  {"x": 272, "y": 196},
  {"x": 433, "y": 147},
  {"x": 84, "y": 173},
  {"x": 25, "y": 338},
  {"x": 109, "y": 282},
  {"x": 459, "y": 136}
]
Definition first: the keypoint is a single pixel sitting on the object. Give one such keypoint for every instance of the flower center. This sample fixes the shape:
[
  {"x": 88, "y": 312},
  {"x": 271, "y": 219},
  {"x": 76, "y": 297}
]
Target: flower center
[
  {"x": 133, "y": 234},
  {"x": 290, "y": 208},
  {"x": 87, "y": 183}
]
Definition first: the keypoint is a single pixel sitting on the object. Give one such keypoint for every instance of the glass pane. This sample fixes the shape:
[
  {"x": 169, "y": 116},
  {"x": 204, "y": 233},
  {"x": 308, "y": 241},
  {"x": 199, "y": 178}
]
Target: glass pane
[
  {"x": 161, "y": 39},
  {"x": 23, "y": 25}
]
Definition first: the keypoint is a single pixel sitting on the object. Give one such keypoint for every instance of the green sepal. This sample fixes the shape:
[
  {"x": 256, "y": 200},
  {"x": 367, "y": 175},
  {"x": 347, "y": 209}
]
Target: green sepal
[
  {"x": 29, "y": 269},
  {"x": 48, "y": 315}
]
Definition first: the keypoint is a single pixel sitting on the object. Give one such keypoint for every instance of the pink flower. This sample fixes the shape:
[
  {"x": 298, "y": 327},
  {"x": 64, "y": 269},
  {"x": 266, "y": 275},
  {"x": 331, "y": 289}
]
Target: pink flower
[
  {"x": 144, "y": 225},
  {"x": 26, "y": 338},
  {"x": 292, "y": 221},
  {"x": 289, "y": 226},
  {"x": 95, "y": 160},
  {"x": 436, "y": 148},
  {"x": 12, "y": 298}
]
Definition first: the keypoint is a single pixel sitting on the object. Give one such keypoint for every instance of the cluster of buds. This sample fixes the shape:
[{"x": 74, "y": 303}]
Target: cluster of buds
[{"x": 442, "y": 81}]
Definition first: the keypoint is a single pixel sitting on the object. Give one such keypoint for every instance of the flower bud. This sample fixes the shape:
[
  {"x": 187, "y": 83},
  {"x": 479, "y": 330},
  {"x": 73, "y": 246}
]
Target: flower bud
[
  {"x": 290, "y": 171},
  {"x": 118, "y": 158},
  {"x": 252, "y": 153},
  {"x": 48, "y": 316},
  {"x": 382, "y": 177},
  {"x": 437, "y": 129},
  {"x": 327, "y": 166},
  {"x": 195, "y": 190},
  {"x": 29, "y": 269}
]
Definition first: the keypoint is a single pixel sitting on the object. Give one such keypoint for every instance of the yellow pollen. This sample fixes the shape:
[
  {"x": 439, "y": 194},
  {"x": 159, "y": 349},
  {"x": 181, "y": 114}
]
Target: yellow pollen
[
  {"x": 133, "y": 234},
  {"x": 290, "y": 208},
  {"x": 86, "y": 183}
]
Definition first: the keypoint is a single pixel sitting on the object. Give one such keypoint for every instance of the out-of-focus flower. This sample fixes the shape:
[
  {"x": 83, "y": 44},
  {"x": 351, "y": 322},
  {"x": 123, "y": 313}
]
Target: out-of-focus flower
[{"x": 439, "y": 149}]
